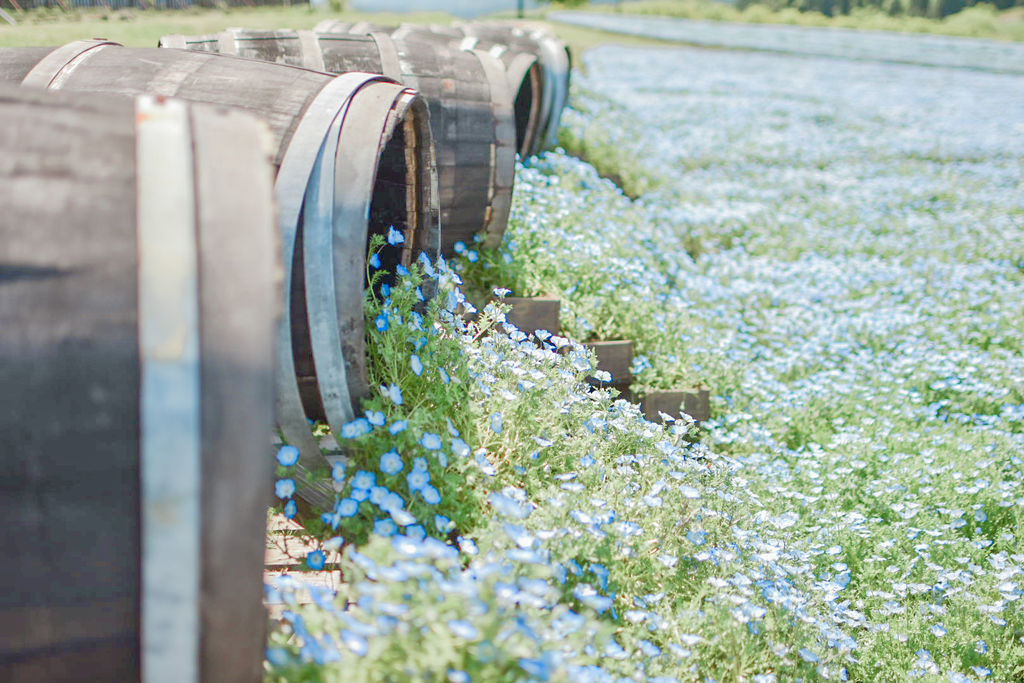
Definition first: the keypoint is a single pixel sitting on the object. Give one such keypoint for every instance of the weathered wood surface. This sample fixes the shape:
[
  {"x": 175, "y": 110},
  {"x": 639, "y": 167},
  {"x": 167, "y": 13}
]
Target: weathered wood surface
[
  {"x": 553, "y": 56},
  {"x": 694, "y": 402},
  {"x": 71, "y": 426},
  {"x": 471, "y": 110},
  {"x": 530, "y": 314},
  {"x": 392, "y": 183},
  {"x": 523, "y": 72},
  {"x": 616, "y": 358}
]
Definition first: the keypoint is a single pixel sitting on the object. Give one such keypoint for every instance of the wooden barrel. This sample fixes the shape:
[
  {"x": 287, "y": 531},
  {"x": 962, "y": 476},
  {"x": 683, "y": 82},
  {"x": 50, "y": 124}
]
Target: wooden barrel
[
  {"x": 509, "y": 42},
  {"x": 470, "y": 104},
  {"x": 347, "y": 151},
  {"x": 555, "y": 60},
  {"x": 138, "y": 299},
  {"x": 522, "y": 70}
]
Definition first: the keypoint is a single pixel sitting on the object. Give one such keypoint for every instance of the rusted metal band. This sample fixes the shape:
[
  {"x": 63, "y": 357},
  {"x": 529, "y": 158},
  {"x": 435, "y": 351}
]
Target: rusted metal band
[
  {"x": 54, "y": 69},
  {"x": 170, "y": 391}
]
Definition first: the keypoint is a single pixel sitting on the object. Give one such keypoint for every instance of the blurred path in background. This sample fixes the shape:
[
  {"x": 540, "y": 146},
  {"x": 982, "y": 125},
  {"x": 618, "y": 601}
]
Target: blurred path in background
[{"x": 881, "y": 46}]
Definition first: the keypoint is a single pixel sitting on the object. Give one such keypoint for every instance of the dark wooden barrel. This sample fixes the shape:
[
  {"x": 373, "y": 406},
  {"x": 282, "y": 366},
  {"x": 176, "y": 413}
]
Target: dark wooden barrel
[
  {"x": 552, "y": 53},
  {"x": 547, "y": 88},
  {"x": 522, "y": 71},
  {"x": 470, "y": 104},
  {"x": 348, "y": 150},
  {"x": 138, "y": 299}
]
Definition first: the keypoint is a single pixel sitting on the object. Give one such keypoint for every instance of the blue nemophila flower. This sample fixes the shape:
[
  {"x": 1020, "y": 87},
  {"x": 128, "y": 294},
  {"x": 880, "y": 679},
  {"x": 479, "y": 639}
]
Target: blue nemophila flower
[
  {"x": 443, "y": 524},
  {"x": 291, "y": 509},
  {"x": 589, "y": 596},
  {"x": 284, "y": 488},
  {"x": 417, "y": 364},
  {"x": 508, "y": 507},
  {"x": 430, "y": 494},
  {"x": 391, "y": 463},
  {"x": 460, "y": 247},
  {"x": 364, "y": 480},
  {"x": 807, "y": 655},
  {"x": 419, "y": 294},
  {"x": 432, "y": 442},
  {"x": 385, "y": 527},
  {"x": 395, "y": 237},
  {"x": 496, "y": 423},
  {"x": 356, "y": 428},
  {"x": 460, "y": 448},
  {"x": 375, "y": 418},
  {"x": 377, "y": 494},
  {"x": 347, "y": 507},
  {"x": 463, "y": 629},
  {"x": 402, "y": 517},
  {"x": 417, "y": 479},
  {"x": 385, "y": 289},
  {"x": 354, "y": 642},
  {"x": 287, "y": 456},
  {"x": 278, "y": 656},
  {"x": 457, "y": 676},
  {"x": 398, "y": 426},
  {"x": 445, "y": 378},
  {"x": 381, "y": 322},
  {"x": 472, "y": 256},
  {"x": 428, "y": 267},
  {"x": 338, "y": 472},
  {"x": 401, "y": 270},
  {"x": 602, "y": 575},
  {"x": 392, "y": 392},
  {"x": 375, "y": 261},
  {"x": 315, "y": 560}
]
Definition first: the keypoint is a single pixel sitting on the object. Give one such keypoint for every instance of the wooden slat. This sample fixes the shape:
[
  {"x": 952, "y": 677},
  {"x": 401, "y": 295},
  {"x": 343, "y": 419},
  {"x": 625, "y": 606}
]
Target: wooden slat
[
  {"x": 69, "y": 433},
  {"x": 237, "y": 351},
  {"x": 694, "y": 402}
]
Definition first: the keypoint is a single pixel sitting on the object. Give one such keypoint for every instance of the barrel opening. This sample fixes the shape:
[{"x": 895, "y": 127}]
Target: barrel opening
[
  {"x": 527, "y": 108},
  {"x": 392, "y": 204}
]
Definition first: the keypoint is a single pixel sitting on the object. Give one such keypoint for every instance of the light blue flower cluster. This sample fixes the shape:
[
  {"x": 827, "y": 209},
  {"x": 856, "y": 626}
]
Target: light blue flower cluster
[{"x": 840, "y": 259}]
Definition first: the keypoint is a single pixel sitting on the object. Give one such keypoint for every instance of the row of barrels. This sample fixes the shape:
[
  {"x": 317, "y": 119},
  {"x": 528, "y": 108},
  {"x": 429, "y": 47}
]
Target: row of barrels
[{"x": 157, "y": 214}]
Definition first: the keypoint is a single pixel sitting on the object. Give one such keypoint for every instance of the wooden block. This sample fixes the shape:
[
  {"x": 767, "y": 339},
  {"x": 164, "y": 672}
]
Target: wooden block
[
  {"x": 530, "y": 314},
  {"x": 616, "y": 358},
  {"x": 694, "y": 402}
]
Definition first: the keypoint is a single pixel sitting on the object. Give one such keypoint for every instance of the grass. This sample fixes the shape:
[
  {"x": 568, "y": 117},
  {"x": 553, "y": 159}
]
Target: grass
[
  {"x": 143, "y": 28},
  {"x": 980, "y": 21}
]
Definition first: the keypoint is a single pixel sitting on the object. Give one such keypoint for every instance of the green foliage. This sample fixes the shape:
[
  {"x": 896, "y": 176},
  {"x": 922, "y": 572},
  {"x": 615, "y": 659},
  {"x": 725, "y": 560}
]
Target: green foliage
[{"x": 976, "y": 20}]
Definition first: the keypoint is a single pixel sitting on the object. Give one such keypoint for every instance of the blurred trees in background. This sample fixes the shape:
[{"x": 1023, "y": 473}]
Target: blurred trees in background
[{"x": 920, "y": 8}]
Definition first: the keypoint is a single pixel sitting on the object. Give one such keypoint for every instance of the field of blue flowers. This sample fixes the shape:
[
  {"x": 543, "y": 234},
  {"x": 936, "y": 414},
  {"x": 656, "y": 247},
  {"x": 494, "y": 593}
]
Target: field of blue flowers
[{"x": 836, "y": 248}]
